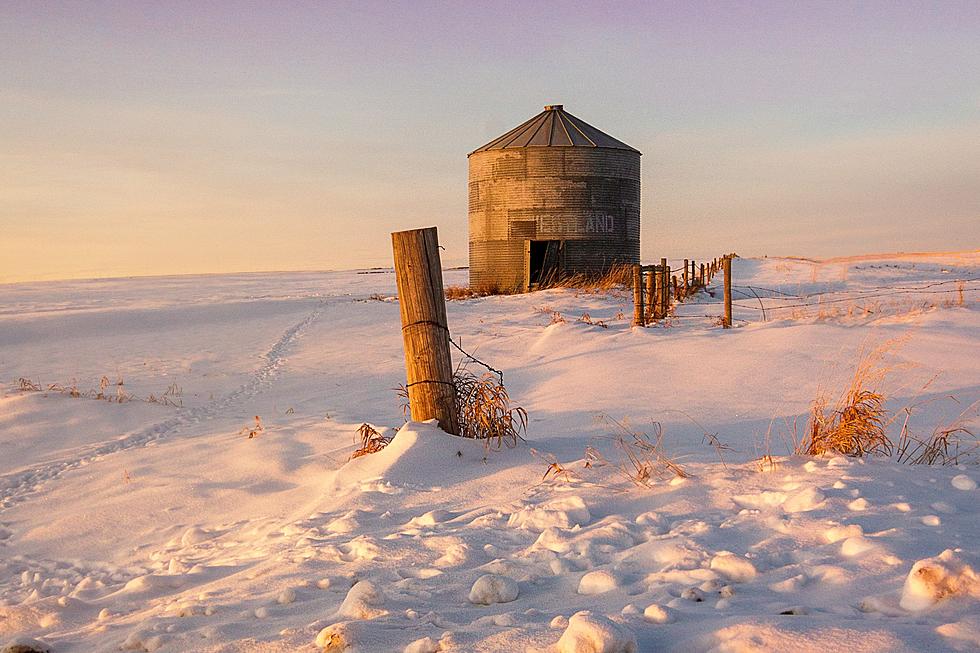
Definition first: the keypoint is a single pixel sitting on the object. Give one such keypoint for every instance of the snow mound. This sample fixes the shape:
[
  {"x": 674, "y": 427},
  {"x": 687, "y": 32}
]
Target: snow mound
[
  {"x": 363, "y": 601},
  {"x": 733, "y": 567},
  {"x": 429, "y": 645},
  {"x": 657, "y": 614},
  {"x": 935, "y": 579},
  {"x": 334, "y": 638},
  {"x": 25, "y": 645},
  {"x": 806, "y": 499},
  {"x": 419, "y": 453},
  {"x": 597, "y": 582},
  {"x": 592, "y": 633},
  {"x": 565, "y": 512},
  {"x": 491, "y": 588},
  {"x": 963, "y": 482}
]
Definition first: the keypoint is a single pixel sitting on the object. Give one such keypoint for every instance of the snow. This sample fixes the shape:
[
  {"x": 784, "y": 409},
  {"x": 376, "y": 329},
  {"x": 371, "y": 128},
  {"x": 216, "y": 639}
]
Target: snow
[
  {"x": 597, "y": 582},
  {"x": 734, "y": 567},
  {"x": 491, "y": 588},
  {"x": 364, "y": 601},
  {"x": 591, "y": 633},
  {"x": 963, "y": 482},
  {"x": 936, "y": 579},
  {"x": 144, "y": 526}
]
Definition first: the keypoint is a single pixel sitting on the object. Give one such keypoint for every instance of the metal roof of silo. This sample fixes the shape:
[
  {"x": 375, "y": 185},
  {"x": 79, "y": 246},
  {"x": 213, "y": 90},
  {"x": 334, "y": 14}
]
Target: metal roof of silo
[{"x": 554, "y": 127}]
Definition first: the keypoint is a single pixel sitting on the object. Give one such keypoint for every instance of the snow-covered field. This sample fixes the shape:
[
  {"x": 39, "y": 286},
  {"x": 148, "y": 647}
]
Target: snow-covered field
[{"x": 148, "y": 527}]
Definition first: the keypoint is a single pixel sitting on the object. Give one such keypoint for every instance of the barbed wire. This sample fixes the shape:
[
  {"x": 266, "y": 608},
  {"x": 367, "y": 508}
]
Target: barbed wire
[
  {"x": 477, "y": 360},
  {"x": 858, "y": 292},
  {"x": 859, "y": 298}
]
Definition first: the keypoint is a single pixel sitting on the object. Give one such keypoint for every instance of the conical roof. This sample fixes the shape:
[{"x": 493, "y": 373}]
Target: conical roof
[{"x": 554, "y": 127}]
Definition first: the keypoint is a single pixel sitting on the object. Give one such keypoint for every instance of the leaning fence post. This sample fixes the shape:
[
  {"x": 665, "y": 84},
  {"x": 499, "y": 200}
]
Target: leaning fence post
[
  {"x": 637, "y": 295},
  {"x": 425, "y": 332},
  {"x": 727, "y": 264}
]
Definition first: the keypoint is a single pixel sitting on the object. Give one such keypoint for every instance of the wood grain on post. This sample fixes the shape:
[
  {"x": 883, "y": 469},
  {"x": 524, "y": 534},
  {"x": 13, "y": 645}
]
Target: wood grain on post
[
  {"x": 637, "y": 296},
  {"x": 425, "y": 332},
  {"x": 727, "y": 265}
]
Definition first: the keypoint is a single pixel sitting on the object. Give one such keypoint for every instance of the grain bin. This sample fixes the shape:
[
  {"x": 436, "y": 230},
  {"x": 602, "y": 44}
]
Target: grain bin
[{"x": 552, "y": 197}]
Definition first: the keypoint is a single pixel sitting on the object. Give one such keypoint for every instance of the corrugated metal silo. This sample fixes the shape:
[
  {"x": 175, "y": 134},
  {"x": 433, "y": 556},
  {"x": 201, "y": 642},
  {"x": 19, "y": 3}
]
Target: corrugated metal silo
[{"x": 552, "y": 196}]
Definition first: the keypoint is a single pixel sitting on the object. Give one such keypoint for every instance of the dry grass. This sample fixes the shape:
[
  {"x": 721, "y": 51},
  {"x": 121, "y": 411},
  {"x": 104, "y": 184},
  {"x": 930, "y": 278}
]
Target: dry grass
[
  {"x": 948, "y": 444},
  {"x": 555, "y": 469},
  {"x": 172, "y": 396},
  {"x": 371, "y": 441},
  {"x": 26, "y": 385},
  {"x": 458, "y": 293},
  {"x": 642, "y": 458},
  {"x": 484, "y": 411},
  {"x": 856, "y": 423},
  {"x": 588, "y": 320},
  {"x": 617, "y": 277},
  {"x": 254, "y": 430}
]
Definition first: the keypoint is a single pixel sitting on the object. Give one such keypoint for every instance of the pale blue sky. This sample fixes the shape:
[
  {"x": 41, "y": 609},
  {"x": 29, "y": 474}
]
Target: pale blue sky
[{"x": 157, "y": 138}]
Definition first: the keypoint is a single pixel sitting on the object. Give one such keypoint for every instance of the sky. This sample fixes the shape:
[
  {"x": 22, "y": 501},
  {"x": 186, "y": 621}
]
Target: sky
[{"x": 145, "y": 138}]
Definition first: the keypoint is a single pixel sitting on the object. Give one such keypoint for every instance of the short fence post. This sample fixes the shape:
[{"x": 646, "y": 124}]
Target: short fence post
[
  {"x": 686, "y": 277},
  {"x": 727, "y": 264},
  {"x": 650, "y": 303},
  {"x": 658, "y": 288},
  {"x": 637, "y": 296},
  {"x": 422, "y": 302}
]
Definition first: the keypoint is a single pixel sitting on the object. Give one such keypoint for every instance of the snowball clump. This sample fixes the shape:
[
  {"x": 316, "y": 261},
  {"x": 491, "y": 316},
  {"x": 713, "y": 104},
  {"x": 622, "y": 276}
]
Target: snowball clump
[
  {"x": 935, "y": 579},
  {"x": 592, "y": 633},
  {"x": 364, "y": 601},
  {"x": 491, "y": 588}
]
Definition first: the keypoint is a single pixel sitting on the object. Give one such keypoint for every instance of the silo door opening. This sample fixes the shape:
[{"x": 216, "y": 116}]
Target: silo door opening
[{"x": 544, "y": 262}]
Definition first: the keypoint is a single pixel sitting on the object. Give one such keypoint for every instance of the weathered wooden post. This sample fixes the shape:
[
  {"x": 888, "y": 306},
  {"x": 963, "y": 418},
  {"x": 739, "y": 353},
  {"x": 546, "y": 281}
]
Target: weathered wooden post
[
  {"x": 664, "y": 287},
  {"x": 687, "y": 267},
  {"x": 727, "y": 265},
  {"x": 425, "y": 332},
  {"x": 658, "y": 288},
  {"x": 637, "y": 295},
  {"x": 704, "y": 278},
  {"x": 650, "y": 303}
]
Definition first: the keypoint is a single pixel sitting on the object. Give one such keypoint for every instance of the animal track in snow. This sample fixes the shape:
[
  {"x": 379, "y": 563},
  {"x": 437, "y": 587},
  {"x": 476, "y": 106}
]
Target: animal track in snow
[{"x": 16, "y": 487}]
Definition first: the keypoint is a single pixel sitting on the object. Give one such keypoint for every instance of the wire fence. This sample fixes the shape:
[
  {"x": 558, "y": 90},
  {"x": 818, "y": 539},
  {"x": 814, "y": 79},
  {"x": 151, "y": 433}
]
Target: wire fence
[{"x": 771, "y": 303}]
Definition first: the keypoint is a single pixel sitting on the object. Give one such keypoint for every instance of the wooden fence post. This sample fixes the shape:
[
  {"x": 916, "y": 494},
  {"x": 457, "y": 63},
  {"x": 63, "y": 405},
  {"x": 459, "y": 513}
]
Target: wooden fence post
[
  {"x": 422, "y": 302},
  {"x": 664, "y": 287},
  {"x": 704, "y": 278},
  {"x": 687, "y": 267},
  {"x": 637, "y": 295},
  {"x": 658, "y": 288},
  {"x": 650, "y": 303},
  {"x": 727, "y": 264}
]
